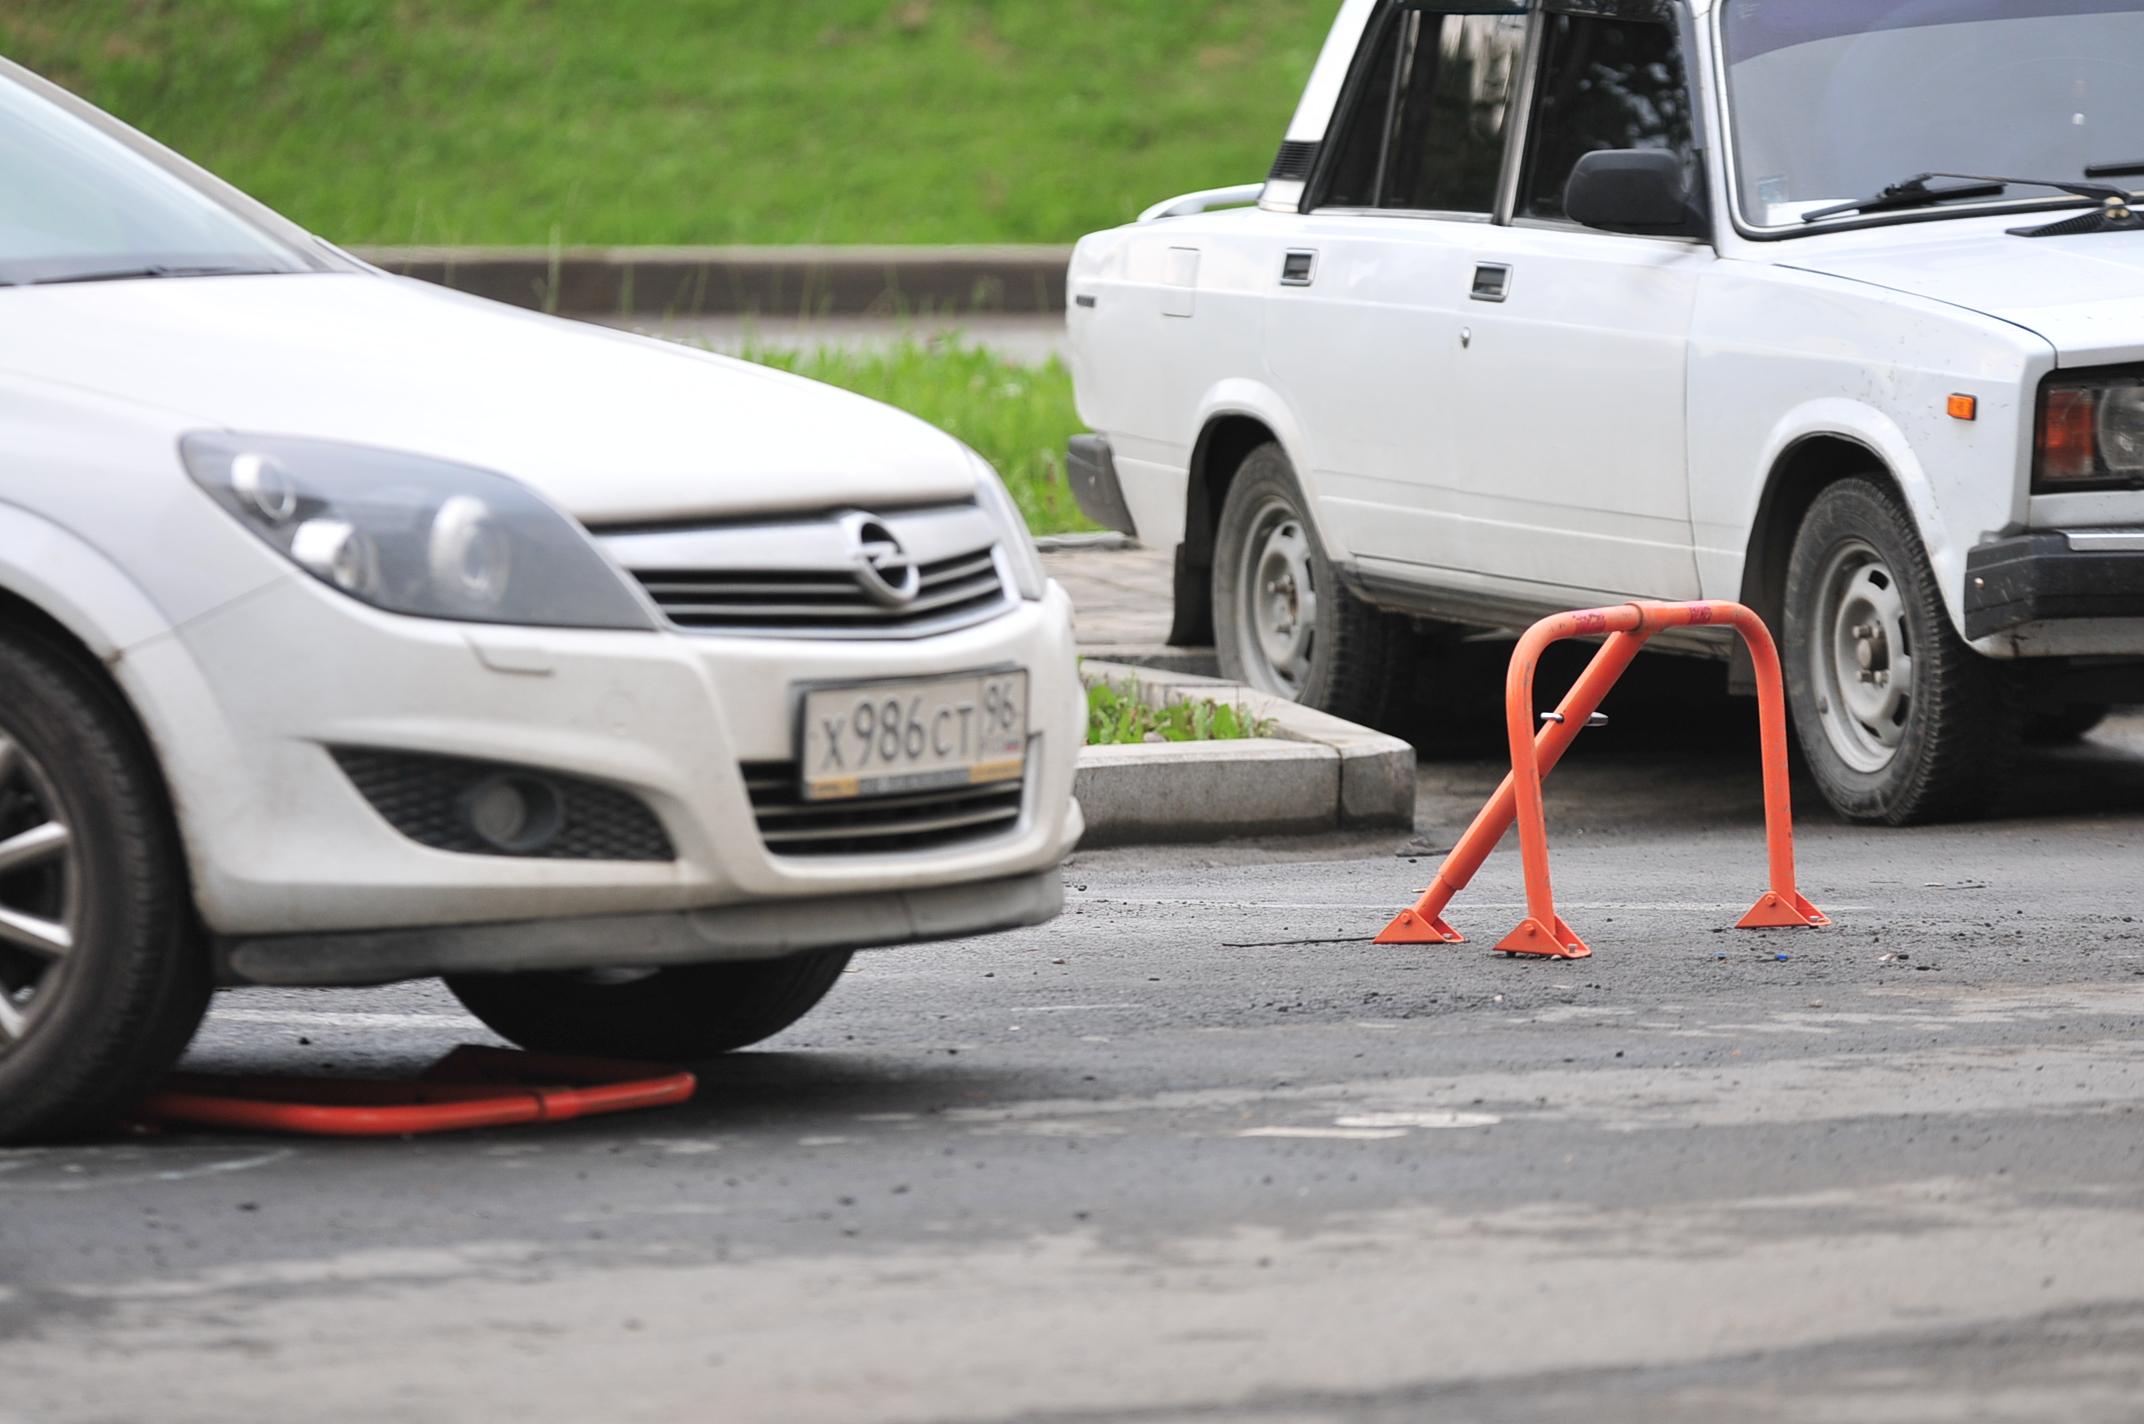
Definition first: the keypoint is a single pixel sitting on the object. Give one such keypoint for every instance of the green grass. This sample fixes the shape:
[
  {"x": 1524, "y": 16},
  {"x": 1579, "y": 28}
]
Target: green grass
[
  {"x": 694, "y": 121},
  {"x": 1018, "y": 417},
  {"x": 1116, "y": 717}
]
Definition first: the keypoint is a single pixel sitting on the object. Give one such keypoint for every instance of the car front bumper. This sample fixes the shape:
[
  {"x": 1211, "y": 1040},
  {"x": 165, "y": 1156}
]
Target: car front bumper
[
  {"x": 2059, "y": 577},
  {"x": 770, "y": 929},
  {"x": 245, "y": 704}
]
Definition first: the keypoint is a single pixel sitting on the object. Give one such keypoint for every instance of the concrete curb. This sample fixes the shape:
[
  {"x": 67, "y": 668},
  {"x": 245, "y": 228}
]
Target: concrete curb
[
  {"x": 1158, "y": 657},
  {"x": 745, "y": 281},
  {"x": 1317, "y": 772}
]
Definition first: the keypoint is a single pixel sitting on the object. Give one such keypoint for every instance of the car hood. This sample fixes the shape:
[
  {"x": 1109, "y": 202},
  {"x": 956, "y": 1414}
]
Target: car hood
[
  {"x": 616, "y": 429},
  {"x": 2085, "y": 295}
]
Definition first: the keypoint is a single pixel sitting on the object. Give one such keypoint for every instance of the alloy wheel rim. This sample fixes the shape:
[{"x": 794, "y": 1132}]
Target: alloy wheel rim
[
  {"x": 1278, "y": 592},
  {"x": 40, "y": 891},
  {"x": 1863, "y": 658}
]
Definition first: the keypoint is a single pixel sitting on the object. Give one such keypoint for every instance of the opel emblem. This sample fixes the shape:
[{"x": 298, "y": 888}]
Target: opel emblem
[{"x": 888, "y": 575}]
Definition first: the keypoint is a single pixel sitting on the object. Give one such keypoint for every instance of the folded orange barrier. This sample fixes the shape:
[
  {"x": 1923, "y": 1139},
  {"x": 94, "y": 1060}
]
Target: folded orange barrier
[
  {"x": 471, "y": 1087},
  {"x": 1629, "y": 628}
]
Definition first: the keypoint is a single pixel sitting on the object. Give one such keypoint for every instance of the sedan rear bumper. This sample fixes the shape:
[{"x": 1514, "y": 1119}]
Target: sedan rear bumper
[{"x": 1091, "y": 470}]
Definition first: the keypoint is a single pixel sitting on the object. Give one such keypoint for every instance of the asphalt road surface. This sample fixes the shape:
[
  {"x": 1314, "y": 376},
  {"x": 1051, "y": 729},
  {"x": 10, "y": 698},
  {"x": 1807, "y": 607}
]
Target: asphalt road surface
[{"x": 1198, "y": 1152}]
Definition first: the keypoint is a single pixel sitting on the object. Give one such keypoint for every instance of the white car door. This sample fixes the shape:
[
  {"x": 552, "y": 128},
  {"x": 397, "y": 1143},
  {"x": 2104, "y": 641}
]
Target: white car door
[
  {"x": 1362, "y": 331},
  {"x": 1572, "y": 453}
]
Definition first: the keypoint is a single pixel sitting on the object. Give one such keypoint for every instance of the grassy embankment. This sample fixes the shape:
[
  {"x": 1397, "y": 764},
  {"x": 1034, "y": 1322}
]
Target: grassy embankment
[
  {"x": 693, "y": 121},
  {"x": 714, "y": 121}
]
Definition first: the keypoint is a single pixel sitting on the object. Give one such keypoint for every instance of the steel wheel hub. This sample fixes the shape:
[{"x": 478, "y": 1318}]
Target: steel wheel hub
[
  {"x": 40, "y": 891},
  {"x": 1280, "y": 602},
  {"x": 1862, "y": 659}
]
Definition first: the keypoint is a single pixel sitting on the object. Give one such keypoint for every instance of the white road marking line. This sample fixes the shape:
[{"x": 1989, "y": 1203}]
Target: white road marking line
[
  {"x": 1430, "y": 1121},
  {"x": 1079, "y": 1008},
  {"x": 308, "y": 1018},
  {"x": 680, "y": 1146},
  {"x": 1328, "y": 1134},
  {"x": 135, "y": 1179}
]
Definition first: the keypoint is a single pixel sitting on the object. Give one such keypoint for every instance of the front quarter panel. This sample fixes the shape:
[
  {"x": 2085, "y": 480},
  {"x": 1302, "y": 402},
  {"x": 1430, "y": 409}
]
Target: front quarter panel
[
  {"x": 1781, "y": 356},
  {"x": 126, "y": 545}
]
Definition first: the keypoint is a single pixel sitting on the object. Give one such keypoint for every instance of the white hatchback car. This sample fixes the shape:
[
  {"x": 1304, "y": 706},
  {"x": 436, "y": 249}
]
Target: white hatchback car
[
  {"x": 354, "y": 631},
  {"x": 1551, "y": 303}
]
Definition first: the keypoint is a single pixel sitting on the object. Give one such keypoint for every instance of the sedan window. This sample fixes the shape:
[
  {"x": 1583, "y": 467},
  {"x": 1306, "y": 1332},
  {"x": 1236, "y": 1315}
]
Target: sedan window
[
  {"x": 1424, "y": 127},
  {"x": 76, "y": 204},
  {"x": 1833, "y": 102},
  {"x": 1605, "y": 84}
]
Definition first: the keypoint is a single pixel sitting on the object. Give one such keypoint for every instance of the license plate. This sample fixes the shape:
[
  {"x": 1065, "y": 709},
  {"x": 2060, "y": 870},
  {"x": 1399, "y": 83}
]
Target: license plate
[{"x": 890, "y": 738}]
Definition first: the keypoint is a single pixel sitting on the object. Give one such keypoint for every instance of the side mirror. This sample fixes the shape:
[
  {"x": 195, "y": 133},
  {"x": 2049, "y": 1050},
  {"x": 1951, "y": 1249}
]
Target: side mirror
[{"x": 1635, "y": 190}]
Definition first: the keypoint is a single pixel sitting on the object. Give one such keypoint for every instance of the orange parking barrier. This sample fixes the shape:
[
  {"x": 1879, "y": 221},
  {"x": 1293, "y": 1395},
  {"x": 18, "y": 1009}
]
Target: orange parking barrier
[
  {"x": 1533, "y": 756},
  {"x": 471, "y": 1087}
]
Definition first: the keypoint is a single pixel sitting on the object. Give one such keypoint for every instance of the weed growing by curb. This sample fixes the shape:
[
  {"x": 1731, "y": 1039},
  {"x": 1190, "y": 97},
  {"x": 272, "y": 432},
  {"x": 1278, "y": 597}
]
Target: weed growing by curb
[{"x": 1116, "y": 717}]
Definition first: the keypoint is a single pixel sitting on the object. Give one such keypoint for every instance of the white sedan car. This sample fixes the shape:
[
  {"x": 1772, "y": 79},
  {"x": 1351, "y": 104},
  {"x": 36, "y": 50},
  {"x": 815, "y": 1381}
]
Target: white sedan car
[
  {"x": 1832, "y": 308},
  {"x": 354, "y": 631}
]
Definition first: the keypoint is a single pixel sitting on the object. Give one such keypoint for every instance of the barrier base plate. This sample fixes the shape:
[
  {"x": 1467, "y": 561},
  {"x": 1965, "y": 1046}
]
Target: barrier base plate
[
  {"x": 1412, "y": 928},
  {"x": 472, "y": 1087},
  {"x": 1536, "y": 941},
  {"x": 1774, "y": 912}
]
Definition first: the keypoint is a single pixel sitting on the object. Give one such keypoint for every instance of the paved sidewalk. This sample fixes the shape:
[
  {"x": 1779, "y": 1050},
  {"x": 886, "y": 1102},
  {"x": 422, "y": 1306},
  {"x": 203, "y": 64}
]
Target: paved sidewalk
[
  {"x": 1122, "y": 599},
  {"x": 1028, "y": 340}
]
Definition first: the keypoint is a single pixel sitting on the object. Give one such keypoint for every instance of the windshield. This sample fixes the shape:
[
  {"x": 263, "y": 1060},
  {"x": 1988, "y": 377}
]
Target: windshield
[
  {"x": 77, "y": 204},
  {"x": 1835, "y": 100}
]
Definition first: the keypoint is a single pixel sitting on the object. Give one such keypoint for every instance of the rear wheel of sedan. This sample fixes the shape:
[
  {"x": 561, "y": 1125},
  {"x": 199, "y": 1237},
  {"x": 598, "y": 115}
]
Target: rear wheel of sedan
[
  {"x": 102, "y": 978},
  {"x": 680, "y": 1015},
  {"x": 1900, "y": 721},
  {"x": 1283, "y": 622}
]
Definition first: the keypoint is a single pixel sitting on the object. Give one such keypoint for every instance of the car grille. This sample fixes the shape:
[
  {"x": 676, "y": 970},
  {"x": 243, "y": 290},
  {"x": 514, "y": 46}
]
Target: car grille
[
  {"x": 773, "y": 599},
  {"x": 424, "y": 797},
  {"x": 807, "y": 578},
  {"x": 929, "y": 820}
]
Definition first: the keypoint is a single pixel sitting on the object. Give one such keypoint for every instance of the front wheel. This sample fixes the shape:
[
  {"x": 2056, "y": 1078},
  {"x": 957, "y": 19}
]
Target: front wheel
[
  {"x": 681, "y": 1015},
  {"x": 1283, "y": 622},
  {"x": 1901, "y": 722},
  {"x": 103, "y": 979}
]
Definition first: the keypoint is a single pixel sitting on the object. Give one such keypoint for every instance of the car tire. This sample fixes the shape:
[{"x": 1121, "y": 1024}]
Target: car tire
[
  {"x": 1900, "y": 722},
  {"x": 103, "y": 977},
  {"x": 681, "y": 1015},
  {"x": 1344, "y": 657}
]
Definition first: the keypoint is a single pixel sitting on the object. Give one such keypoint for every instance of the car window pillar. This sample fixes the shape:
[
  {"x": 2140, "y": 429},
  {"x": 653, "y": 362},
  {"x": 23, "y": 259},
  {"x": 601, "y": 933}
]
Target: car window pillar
[{"x": 1518, "y": 124}]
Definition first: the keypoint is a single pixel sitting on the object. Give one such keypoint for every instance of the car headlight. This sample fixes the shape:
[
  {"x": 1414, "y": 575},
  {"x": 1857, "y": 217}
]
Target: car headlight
[
  {"x": 2091, "y": 434},
  {"x": 1023, "y": 564},
  {"x": 414, "y": 535}
]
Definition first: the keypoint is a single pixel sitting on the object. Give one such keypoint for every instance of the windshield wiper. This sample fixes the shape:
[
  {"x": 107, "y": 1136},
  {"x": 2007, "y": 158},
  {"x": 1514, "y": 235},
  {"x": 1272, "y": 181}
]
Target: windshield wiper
[
  {"x": 146, "y": 271},
  {"x": 2132, "y": 169},
  {"x": 1914, "y": 192}
]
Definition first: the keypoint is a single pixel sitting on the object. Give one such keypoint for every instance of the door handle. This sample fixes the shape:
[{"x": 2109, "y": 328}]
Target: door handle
[
  {"x": 1492, "y": 282},
  {"x": 1299, "y": 269}
]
